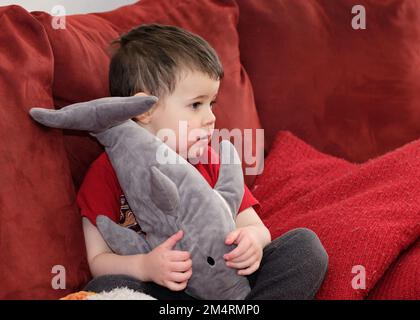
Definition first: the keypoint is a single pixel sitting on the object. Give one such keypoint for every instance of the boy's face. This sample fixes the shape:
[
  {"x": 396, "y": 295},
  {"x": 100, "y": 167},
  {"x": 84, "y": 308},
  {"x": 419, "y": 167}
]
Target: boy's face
[{"x": 187, "y": 113}]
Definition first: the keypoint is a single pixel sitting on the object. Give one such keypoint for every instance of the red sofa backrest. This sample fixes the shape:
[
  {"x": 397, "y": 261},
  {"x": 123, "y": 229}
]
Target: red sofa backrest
[{"x": 350, "y": 93}]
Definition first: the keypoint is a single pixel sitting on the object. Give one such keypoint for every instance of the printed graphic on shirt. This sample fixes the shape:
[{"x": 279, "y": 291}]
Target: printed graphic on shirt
[{"x": 127, "y": 218}]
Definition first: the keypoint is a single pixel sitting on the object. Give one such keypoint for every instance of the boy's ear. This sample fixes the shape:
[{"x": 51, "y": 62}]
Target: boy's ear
[{"x": 146, "y": 117}]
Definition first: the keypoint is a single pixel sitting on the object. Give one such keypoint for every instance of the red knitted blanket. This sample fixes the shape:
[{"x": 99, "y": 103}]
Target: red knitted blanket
[{"x": 366, "y": 214}]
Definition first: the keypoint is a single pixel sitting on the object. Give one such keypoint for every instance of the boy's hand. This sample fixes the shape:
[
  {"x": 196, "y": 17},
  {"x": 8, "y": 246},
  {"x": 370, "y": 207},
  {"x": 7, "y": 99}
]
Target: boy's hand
[
  {"x": 167, "y": 267},
  {"x": 248, "y": 254}
]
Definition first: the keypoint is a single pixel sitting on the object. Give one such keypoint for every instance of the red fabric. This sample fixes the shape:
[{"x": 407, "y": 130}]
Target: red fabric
[
  {"x": 100, "y": 191},
  {"x": 364, "y": 214},
  {"x": 40, "y": 226},
  {"x": 350, "y": 93},
  {"x": 402, "y": 280},
  {"x": 81, "y": 53}
]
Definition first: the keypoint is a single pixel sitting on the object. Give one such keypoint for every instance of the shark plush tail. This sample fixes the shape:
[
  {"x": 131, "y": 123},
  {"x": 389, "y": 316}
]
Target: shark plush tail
[{"x": 96, "y": 115}]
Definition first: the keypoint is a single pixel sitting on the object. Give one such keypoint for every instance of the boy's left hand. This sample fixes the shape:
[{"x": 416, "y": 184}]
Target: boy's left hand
[{"x": 248, "y": 254}]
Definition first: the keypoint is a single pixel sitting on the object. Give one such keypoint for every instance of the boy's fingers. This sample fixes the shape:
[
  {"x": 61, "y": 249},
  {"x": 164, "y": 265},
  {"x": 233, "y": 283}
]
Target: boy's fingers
[
  {"x": 176, "y": 255},
  {"x": 172, "y": 240},
  {"x": 241, "y": 265},
  {"x": 181, "y": 266},
  {"x": 245, "y": 256},
  {"x": 232, "y": 236},
  {"x": 249, "y": 270},
  {"x": 238, "y": 251},
  {"x": 174, "y": 286},
  {"x": 181, "y": 276}
]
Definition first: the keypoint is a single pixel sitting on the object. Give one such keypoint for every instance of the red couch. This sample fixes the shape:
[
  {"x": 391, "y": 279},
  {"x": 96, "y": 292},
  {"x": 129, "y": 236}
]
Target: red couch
[{"x": 352, "y": 94}]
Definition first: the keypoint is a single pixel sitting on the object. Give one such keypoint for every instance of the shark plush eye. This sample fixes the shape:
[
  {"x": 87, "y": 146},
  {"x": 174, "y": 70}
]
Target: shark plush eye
[{"x": 210, "y": 261}]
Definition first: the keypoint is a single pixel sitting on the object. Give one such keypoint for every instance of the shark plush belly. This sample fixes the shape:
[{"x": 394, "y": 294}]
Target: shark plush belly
[{"x": 165, "y": 196}]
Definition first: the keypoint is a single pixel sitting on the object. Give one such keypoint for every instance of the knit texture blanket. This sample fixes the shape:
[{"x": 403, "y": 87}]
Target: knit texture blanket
[{"x": 366, "y": 215}]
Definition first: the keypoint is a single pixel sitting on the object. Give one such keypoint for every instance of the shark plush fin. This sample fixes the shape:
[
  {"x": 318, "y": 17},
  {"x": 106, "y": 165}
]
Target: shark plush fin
[
  {"x": 95, "y": 115},
  {"x": 230, "y": 183},
  {"x": 120, "y": 239},
  {"x": 164, "y": 192}
]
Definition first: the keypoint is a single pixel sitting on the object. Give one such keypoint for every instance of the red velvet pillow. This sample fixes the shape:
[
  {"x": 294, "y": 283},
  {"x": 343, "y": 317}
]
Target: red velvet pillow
[
  {"x": 364, "y": 214},
  {"x": 40, "y": 224},
  {"x": 350, "y": 93},
  {"x": 81, "y": 59}
]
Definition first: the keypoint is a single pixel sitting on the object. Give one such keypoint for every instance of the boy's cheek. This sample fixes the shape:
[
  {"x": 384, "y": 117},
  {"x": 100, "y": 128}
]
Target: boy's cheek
[{"x": 197, "y": 150}]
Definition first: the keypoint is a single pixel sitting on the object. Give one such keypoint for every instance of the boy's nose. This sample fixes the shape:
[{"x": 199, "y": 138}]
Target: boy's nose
[{"x": 210, "y": 118}]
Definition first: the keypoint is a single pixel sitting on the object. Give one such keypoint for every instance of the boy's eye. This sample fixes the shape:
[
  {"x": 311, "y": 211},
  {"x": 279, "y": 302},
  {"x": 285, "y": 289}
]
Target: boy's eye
[{"x": 195, "y": 105}]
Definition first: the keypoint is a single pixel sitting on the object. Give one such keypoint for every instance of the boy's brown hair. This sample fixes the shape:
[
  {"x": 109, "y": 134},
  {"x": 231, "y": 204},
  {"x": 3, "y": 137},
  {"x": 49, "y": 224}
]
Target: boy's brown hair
[{"x": 150, "y": 57}]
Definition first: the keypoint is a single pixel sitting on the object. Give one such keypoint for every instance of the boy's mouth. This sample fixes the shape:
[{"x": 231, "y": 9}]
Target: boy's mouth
[{"x": 204, "y": 137}]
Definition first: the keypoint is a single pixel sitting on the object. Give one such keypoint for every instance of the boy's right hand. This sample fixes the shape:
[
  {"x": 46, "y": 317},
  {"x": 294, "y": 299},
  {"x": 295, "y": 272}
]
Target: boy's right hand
[{"x": 167, "y": 267}]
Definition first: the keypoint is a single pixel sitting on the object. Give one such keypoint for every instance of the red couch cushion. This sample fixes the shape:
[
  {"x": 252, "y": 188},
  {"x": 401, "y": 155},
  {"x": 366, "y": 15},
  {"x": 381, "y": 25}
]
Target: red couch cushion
[
  {"x": 81, "y": 60},
  {"x": 350, "y": 93},
  {"x": 35, "y": 178},
  {"x": 402, "y": 280},
  {"x": 364, "y": 214}
]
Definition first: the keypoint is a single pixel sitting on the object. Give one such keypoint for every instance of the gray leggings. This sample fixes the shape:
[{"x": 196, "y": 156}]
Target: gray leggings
[{"x": 293, "y": 267}]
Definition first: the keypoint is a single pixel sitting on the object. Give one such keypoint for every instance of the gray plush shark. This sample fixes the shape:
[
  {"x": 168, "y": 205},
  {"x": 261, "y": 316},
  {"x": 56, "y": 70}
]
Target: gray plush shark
[{"x": 164, "y": 196}]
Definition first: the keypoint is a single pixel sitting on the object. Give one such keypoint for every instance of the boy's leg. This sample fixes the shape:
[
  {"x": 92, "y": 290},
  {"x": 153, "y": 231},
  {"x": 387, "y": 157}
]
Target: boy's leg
[
  {"x": 293, "y": 267},
  {"x": 109, "y": 282}
]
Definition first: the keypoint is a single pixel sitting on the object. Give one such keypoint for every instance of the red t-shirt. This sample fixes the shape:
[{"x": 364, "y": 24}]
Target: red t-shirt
[{"x": 101, "y": 193}]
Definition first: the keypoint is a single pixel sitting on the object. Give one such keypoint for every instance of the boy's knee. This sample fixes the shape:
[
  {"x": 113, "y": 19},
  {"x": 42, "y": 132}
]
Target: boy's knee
[
  {"x": 312, "y": 249},
  {"x": 302, "y": 262},
  {"x": 313, "y": 257},
  {"x": 304, "y": 244}
]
